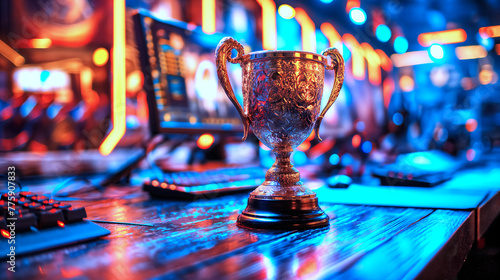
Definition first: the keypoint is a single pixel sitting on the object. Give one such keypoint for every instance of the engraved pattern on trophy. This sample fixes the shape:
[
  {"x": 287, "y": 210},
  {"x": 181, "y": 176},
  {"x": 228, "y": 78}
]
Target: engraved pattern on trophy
[{"x": 282, "y": 93}]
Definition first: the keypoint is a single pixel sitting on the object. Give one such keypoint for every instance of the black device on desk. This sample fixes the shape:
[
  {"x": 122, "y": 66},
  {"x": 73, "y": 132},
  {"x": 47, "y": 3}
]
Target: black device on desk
[
  {"x": 420, "y": 169},
  {"x": 184, "y": 96},
  {"x": 41, "y": 223}
]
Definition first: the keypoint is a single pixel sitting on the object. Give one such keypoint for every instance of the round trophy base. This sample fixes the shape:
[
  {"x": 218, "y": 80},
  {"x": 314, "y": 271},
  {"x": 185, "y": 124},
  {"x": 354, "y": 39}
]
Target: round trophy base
[{"x": 286, "y": 214}]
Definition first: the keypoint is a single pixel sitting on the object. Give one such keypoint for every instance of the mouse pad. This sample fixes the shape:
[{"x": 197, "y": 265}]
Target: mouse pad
[{"x": 403, "y": 197}]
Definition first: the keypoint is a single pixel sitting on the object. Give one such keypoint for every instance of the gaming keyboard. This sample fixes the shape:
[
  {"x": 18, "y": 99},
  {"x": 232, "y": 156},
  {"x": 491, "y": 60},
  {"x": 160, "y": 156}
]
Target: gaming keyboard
[
  {"x": 34, "y": 223},
  {"x": 207, "y": 184}
]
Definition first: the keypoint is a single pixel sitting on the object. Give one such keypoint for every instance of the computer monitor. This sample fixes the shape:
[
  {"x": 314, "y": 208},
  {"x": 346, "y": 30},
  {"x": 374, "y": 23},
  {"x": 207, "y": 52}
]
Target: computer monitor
[{"x": 184, "y": 94}]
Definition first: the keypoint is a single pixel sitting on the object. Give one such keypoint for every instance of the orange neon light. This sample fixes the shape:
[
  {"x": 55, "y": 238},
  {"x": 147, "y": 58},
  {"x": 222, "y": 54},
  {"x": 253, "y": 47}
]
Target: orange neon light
[
  {"x": 374, "y": 72},
  {"x": 100, "y": 56},
  {"x": 332, "y": 35},
  {"x": 205, "y": 141},
  {"x": 11, "y": 54},
  {"x": 208, "y": 16},
  {"x": 269, "y": 32},
  {"x": 411, "y": 58},
  {"x": 442, "y": 37},
  {"x": 351, "y": 4},
  {"x": 358, "y": 60},
  {"x": 5, "y": 233},
  {"x": 308, "y": 30},
  {"x": 385, "y": 61},
  {"x": 471, "y": 52},
  {"x": 118, "y": 82},
  {"x": 489, "y": 31},
  {"x": 40, "y": 43}
]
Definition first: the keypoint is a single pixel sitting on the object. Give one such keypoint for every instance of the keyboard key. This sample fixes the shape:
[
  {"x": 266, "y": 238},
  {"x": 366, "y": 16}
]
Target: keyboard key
[
  {"x": 48, "y": 218},
  {"x": 24, "y": 222},
  {"x": 61, "y": 205},
  {"x": 27, "y": 194},
  {"x": 72, "y": 215}
]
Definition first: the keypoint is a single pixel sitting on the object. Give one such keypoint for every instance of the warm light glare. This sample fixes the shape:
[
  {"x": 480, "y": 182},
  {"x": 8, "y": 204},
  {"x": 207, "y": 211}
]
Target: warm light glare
[
  {"x": 100, "y": 56},
  {"x": 208, "y": 16},
  {"x": 351, "y": 4},
  {"x": 442, "y": 37},
  {"x": 358, "y": 60},
  {"x": 11, "y": 54},
  {"x": 385, "y": 61},
  {"x": 388, "y": 87},
  {"x": 286, "y": 11},
  {"x": 332, "y": 35},
  {"x": 471, "y": 125},
  {"x": 205, "y": 141},
  {"x": 411, "y": 58},
  {"x": 304, "y": 146},
  {"x": 5, "y": 233},
  {"x": 269, "y": 31},
  {"x": 356, "y": 140},
  {"x": 485, "y": 76},
  {"x": 471, "y": 52},
  {"x": 60, "y": 223},
  {"x": 374, "y": 72},
  {"x": 41, "y": 43},
  {"x": 118, "y": 81},
  {"x": 308, "y": 30},
  {"x": 406, "y": 83},
  {"x": 489, "y": 31}
]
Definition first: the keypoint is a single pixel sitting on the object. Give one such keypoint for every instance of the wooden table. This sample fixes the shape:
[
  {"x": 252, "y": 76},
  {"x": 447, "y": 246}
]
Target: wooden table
[{"x": 200, "y": 240}]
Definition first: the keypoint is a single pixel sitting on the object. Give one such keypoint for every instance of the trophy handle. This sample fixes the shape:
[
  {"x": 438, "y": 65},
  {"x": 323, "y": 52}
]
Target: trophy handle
[
  {"x": 338, "y": 66},
  {"x": 222, "y": 55}
]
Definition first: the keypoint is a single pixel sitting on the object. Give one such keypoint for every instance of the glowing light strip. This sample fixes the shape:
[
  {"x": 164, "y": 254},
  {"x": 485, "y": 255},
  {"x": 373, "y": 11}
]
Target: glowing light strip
[
  {"x": 208, "y": 16},
  {"x": 388, "y": 87},
  {"x": 489, "y": 31},
  {"x": 411, "y": 58},
  {"x": 385, "y": 61},
  {"x": 358, "y": 60},
  {"x": 471, "y": 52},
  {"x": 308, "y": 30},
  {"x": 374, "y": 72},
  {"x": 269, "y": 31},
  {"x": 497, "y": 48},
  {"x": 118, "y": 82},
  {"x": 11, "y": 54},
  {"x": 442, "y": 37},
  {"x": 332, "y": 35}
]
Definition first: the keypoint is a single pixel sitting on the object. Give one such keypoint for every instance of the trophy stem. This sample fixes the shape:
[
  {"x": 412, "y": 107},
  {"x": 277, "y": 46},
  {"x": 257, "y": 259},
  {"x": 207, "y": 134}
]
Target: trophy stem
[{"x": 282, "y": 201}]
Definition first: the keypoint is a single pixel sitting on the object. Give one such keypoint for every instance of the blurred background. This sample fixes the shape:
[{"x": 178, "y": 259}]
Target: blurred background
[{"x": 420, "y": 75}]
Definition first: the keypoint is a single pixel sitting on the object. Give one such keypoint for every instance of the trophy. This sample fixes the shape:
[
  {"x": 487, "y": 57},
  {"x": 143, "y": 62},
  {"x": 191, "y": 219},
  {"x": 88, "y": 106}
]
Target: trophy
[{"x": 282, "y": 93}]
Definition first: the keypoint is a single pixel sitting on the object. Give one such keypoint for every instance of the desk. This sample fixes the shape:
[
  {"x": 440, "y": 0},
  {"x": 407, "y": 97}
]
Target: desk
[{"x": 200, "y": 240}]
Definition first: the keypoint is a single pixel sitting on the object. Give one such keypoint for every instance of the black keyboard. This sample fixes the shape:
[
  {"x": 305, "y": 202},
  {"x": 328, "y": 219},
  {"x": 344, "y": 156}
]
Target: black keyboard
[
  {"x": 207, "y": 184},
  {"x": 33, "y": 223}
]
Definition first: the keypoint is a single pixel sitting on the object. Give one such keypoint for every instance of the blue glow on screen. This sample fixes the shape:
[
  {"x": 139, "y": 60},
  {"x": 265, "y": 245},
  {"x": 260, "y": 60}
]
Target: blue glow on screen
[
  {"x": 383, "y": 33},
  {"x": 327, "y": 1},
  {"x": 400, "y": 44}
]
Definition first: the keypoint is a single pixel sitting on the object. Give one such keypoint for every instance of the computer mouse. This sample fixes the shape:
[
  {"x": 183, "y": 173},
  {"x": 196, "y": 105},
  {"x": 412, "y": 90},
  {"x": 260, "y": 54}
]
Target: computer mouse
[{"x": 339, "y": 181}]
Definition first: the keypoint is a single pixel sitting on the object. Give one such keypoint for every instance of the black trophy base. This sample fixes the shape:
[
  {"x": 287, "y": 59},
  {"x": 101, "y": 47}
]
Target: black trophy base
[{"x": 283, "y": 214}]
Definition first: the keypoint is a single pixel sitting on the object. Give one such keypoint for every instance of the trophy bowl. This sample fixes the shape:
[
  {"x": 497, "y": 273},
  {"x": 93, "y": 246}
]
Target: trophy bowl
[{"x": 282, "y": 93}]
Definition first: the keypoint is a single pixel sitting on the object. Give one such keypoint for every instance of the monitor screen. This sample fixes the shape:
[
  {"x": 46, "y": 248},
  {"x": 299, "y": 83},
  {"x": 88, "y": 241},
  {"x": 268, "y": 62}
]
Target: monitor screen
[{"x": 184, "y": 94}]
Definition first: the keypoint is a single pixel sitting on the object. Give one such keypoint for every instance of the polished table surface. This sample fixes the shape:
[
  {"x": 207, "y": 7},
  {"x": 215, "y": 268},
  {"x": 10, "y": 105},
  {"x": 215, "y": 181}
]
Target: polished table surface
[{"x": 200, "y": 240}]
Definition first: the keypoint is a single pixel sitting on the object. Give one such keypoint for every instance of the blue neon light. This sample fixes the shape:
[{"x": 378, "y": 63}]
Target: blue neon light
[
  {"x": 400, "y": 44},
  {"x": 397, "y": 119},
  {"x": 383, "y": 33},
  {"x": 334, "y": 159},
  {"x": 436, "y": 51},
  {"x": 366, "y": 147},
  {"x": 357, "y": 16}
]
